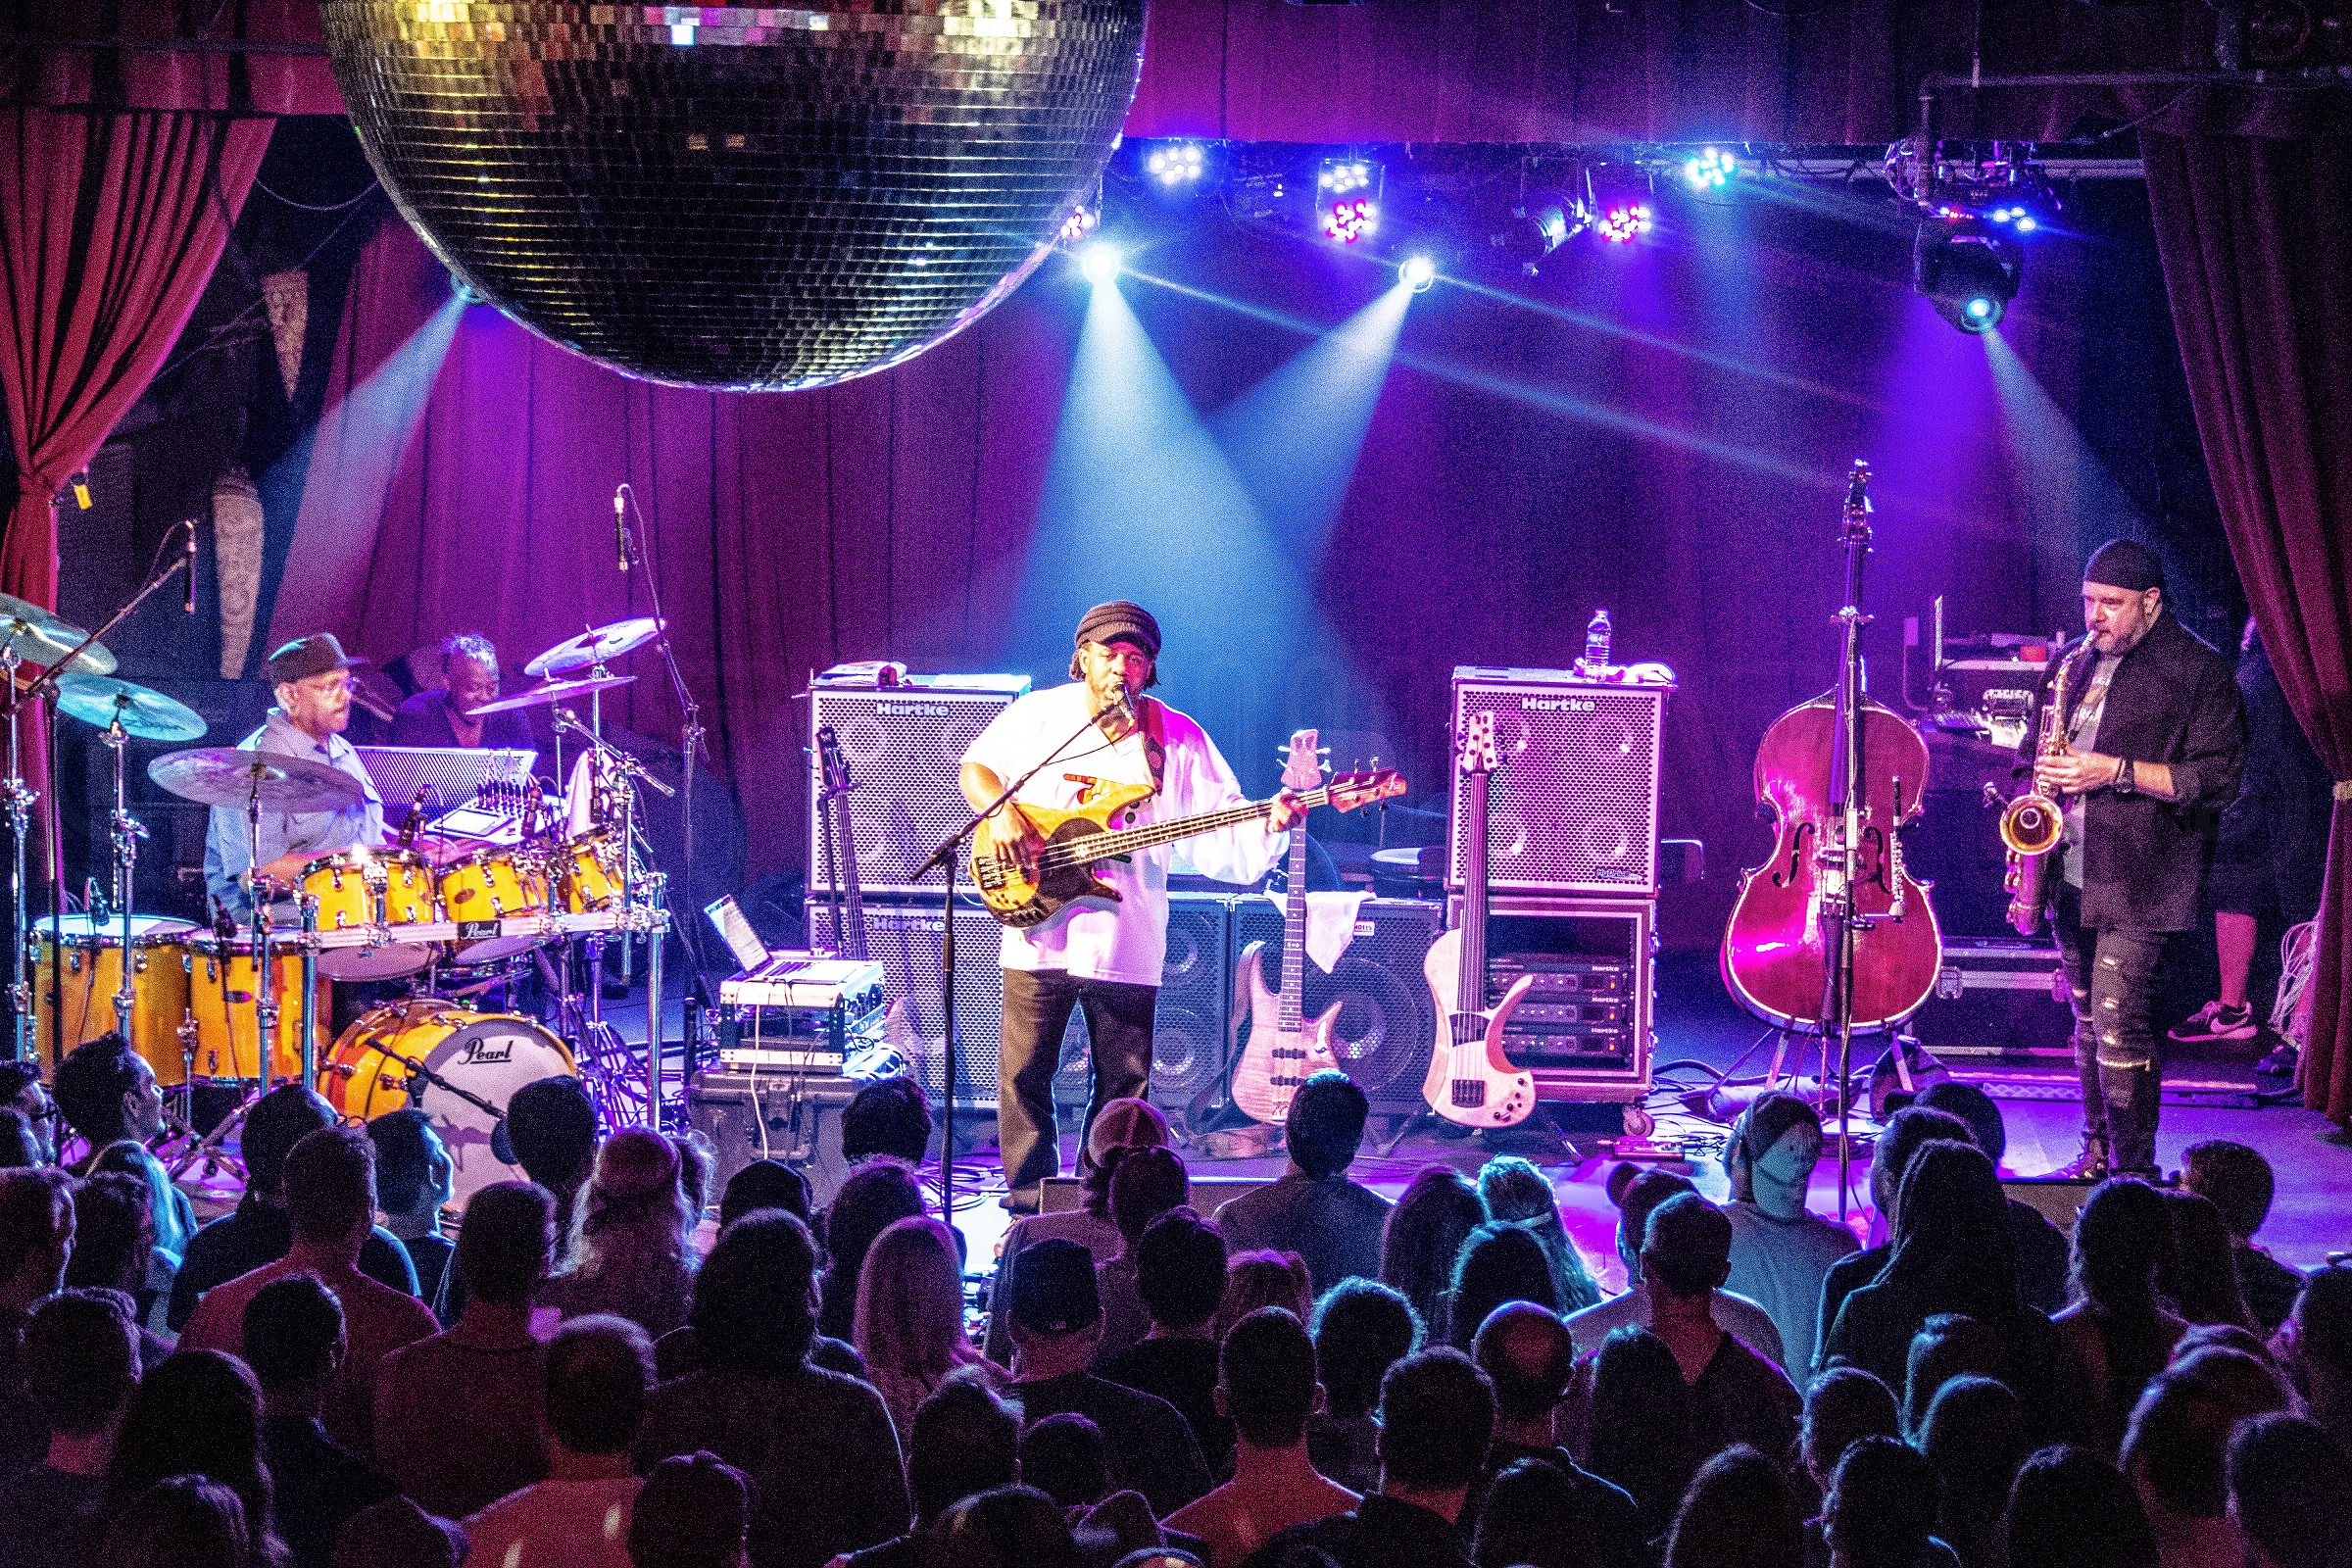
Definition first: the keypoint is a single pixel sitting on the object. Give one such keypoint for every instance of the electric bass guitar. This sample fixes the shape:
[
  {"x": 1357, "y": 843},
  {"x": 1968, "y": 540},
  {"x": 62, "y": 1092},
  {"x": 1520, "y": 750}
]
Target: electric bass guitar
[
  {"x": 899, "y": 1031},
  {"x": 1022, "y": 896},
  {"x": 1470, "y": 1080},
  {"x": 1283, "y": 1050}
]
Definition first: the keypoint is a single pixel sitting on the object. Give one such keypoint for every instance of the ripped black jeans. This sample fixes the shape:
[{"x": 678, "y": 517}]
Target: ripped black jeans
[{"x": 2112, "y": 975}]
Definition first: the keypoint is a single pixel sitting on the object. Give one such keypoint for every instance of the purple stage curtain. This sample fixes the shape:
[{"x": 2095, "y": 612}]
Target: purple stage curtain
[{"x": 2256, "y": 236}]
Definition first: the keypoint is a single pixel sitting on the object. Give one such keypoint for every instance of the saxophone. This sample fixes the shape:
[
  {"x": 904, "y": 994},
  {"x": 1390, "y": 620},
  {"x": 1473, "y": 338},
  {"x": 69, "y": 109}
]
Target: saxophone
[{"x": 2033, "y": 822}]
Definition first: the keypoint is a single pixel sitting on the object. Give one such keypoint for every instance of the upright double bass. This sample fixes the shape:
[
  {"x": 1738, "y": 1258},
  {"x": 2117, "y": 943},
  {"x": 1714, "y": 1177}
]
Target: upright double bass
[{"x": 1831, "y": 935}]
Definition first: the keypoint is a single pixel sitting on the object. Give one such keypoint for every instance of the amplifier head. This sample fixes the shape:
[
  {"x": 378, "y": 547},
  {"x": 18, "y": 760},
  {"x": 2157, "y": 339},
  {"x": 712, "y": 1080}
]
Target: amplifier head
[{"x": 1574, "y": 808}]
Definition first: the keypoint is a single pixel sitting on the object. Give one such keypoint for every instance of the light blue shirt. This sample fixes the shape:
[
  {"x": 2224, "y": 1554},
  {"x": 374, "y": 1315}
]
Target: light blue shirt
[{"x": 309, "y": 834}]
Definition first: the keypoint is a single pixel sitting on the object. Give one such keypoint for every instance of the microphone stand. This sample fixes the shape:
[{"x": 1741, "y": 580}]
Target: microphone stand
[{"x": 944, "y": 857}]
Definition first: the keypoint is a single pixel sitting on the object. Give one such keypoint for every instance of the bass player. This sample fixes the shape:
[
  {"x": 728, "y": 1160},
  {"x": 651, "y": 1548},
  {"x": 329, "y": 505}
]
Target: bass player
[
  {"x": 1106, "y": 958},
  {"x": 2154, "y": 745}
]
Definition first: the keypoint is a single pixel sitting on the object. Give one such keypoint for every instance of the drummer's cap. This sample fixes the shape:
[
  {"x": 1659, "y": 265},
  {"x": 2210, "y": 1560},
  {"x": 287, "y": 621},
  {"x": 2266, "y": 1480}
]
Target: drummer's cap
[{"x": 305, "y": 657}]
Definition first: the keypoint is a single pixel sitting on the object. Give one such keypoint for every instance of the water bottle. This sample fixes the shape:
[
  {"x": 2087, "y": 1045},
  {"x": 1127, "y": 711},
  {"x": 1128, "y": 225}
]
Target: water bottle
[{"x": 1596, "y": 641}]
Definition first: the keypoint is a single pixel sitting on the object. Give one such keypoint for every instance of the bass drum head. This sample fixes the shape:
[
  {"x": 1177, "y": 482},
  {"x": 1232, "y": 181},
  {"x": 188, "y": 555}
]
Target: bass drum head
[{"x": 489, "y": 1056}]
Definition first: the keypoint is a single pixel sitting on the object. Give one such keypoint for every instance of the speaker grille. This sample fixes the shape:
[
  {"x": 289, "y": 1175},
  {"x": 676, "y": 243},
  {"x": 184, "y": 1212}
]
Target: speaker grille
[
  {"x": 903, "y": 747},
  {"x": 1575, "y": 807},
  {"x": 1388, "y": 1021},
  {"x": 1189, "y": 1021}
]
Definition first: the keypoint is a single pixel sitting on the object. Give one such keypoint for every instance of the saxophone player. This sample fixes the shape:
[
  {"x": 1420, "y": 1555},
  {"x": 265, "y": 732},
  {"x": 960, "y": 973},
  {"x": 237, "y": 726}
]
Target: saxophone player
[{"x": 2155, "y": 737}]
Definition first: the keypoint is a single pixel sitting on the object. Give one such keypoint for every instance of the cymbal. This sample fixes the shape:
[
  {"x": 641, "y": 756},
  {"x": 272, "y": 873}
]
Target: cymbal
[
  {"x": 38, "y": 637},
  {"x": 553, "y": 692},
  {"x": 150, "y": 715},
  {"x": 225, "y": 775},
  {"x": 595, "y": 646}
]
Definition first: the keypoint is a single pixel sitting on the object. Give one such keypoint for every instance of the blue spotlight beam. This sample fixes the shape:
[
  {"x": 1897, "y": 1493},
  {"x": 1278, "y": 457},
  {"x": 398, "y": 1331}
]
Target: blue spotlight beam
[{"x": 1548, "y": 400}]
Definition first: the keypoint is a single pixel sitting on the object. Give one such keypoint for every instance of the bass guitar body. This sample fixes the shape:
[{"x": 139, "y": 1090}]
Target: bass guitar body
[
  {"x": 1275, "y": 1060},
  {"x": 1021, "y": 899},
  {"x": 1470, "y": 1080}
]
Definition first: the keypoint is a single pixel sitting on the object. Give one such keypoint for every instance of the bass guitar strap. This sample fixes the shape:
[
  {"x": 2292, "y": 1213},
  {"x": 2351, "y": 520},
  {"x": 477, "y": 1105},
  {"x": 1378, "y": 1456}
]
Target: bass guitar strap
[{"x": 1156, "y": 739}]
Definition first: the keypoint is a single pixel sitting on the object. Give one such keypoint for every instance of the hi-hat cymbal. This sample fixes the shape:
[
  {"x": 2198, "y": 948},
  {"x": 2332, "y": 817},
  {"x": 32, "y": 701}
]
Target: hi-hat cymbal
[
  {"x": 553, "y": 692},
  {"x": 150, "y": 715},
  {"x": 591, "y": 648},
  {"x": 224, "y": 775},
  {"x": 38, "y": 636}
]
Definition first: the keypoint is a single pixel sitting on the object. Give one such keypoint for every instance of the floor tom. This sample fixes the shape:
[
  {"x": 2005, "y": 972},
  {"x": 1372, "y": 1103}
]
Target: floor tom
[
  {"x": 223, "y": 1001},
  {"x": 92, "y": 971}
]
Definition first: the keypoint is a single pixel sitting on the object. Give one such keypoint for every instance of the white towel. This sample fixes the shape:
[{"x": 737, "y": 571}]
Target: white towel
[{"x": 1330, "y": 923}]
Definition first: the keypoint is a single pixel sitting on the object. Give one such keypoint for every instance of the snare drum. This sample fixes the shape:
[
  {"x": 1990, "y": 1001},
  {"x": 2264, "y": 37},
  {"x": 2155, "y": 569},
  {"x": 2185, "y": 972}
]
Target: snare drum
[
  {"x": 591, "y": 869},
  {"x": 222, "y": 999},
  {"x": 93, "y": 969},
  {"x": 359, "y": 893},
  {"x": 495, "y": 884},
  {"x": 487, "y": 1055}
]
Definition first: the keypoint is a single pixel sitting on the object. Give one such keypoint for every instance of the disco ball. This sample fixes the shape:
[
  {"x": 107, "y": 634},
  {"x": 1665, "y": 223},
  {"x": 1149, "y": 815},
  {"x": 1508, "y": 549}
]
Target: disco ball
[{"x": 733, "y": 197}]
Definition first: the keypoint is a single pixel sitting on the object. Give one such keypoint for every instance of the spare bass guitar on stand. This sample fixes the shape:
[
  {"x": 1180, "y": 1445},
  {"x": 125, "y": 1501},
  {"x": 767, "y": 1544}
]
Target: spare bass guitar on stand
[
  {"x": 1832, "y": 936},
  {"x": 1283, "y": 1050}
]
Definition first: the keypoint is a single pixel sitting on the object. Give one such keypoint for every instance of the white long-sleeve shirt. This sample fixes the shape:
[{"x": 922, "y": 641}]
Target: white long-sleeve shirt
[{"x": 1128, "y": 941}]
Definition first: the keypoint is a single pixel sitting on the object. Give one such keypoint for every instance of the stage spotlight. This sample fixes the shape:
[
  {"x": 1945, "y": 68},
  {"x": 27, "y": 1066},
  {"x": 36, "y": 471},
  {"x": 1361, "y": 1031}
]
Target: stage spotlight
[
  {"x": 2019, "y": 217},
  {"x": 466, "y": 293},
  {"x": 1176, "y": 165},
  {"x": 1344, "y": 176},
  {"x": 1967, "y": 271},
  {"x": 1538, "y": 224},
  {"x": 1624, "y": 223},
  {"x": 1082, "y": 222},
  {"x": 1349, "y": 221},
  {"x": 1710, "y": 170},
  {"x": 1418, "y": 272},
  {"x": 1099, "y": 261}
]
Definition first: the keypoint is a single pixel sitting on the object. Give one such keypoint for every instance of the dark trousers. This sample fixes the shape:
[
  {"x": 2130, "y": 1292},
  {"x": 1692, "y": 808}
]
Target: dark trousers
[
  {"x": 1037, "y": 1010},
  {"x": 2112, "y": 975}
]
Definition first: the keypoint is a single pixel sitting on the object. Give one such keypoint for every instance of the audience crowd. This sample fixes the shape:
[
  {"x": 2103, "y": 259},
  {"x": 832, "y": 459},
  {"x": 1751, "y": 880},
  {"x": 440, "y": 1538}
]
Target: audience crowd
[{"x": 597, "y": 1372}]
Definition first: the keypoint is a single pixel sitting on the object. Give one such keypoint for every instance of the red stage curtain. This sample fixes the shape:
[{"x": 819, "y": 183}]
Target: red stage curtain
[
  {"x": 2256, "y": 236},
  {"x": 109, "y": 226}
]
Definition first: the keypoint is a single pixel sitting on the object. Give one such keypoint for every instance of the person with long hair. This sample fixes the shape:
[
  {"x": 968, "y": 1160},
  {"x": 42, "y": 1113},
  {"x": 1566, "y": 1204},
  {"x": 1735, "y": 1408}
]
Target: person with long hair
[
  {"x": 2069, "y": 1508},
  {"x": 1641, "y": 1425},
  {"x": 2117, "y": 1335},
  {"x": 197, "y": 1413},
  {"x": 1516, "y": 1193},
  {"x": 910, "y": 1323},
  {"x": 2199, "y": 1272},
  {"x": 1424, "y": 1236},
  {"x": 1738, "y": 1509},
  {"x": 1974, "y": 1438},
  {"x": 630, "y": 1250},
  {"x": 1955, "y": 1250},
  {"x": 182, "y": 1521},
  {"x": 876, "y": 1197},
  {"x": 1501, "y": 1261}
]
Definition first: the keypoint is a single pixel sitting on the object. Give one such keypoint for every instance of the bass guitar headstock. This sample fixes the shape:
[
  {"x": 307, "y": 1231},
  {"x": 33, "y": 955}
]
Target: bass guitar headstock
[
  {"x": 1479, "y": 754},
  {"x": 829, "y": 759},
  {"x": 1351, "y": 790},
  {"x": 1302, "y": 767}
]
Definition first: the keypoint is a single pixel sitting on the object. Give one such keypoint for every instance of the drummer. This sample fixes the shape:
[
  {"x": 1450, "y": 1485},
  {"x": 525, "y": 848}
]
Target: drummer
[
  {"x": 469, "y": 678},
  {"x": 313, "y": 681}
]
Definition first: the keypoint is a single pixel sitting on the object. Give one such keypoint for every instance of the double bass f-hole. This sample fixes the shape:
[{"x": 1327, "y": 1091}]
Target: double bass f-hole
[{"x": 1787, "y": 876}]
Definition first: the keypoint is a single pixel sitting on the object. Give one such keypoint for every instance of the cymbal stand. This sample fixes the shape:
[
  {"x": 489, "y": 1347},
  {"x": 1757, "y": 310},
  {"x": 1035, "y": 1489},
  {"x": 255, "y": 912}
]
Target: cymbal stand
[
  {"x": 308, "y": 903},
  {"x": 16, "y": 799},
  {"x": 625, "y": 772},
  {"x": 44, "y": 690},
  {"x": 125, "y": 832}
]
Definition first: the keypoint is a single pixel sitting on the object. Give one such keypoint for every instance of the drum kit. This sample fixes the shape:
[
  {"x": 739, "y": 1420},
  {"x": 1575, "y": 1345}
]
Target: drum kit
[{"x": 204, "y": 1005}]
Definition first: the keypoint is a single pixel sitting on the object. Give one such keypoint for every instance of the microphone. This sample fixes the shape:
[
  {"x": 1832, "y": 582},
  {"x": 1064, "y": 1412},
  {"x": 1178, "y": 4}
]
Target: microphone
[
  {"x": 621, "y": 525},
  {"x": 415, "y": 818},
  {"x": 1123, "y": 700},
  {"x": 188, "y": 604}
]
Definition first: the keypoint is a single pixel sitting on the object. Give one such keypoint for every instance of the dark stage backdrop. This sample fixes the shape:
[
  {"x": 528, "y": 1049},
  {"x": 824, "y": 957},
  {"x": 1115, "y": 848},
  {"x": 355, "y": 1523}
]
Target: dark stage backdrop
[{"x": 1663, "y": 432}]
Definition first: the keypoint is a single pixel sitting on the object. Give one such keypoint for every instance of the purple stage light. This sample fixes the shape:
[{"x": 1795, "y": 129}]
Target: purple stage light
[
  {"x": 1624, "y": 224},
  {"x": 1348, "y": 222}
]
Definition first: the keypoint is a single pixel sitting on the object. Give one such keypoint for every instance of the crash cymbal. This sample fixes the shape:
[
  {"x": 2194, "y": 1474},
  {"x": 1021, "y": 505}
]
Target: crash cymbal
[
  {"x": 150, "y": 715},
  {"x": 225, "y": 775},
  {"x": 38, "y": 637},
  {"x": 559, "y": 691},
  {"x": 597, "y": 647}
]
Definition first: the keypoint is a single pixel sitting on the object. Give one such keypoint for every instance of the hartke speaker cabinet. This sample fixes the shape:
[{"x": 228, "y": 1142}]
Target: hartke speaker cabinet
[
  {"x": 1574, "y": 808},
  {"x": 1190, "y": 1023},
  {"x": 903, "y": 746},
  {"x": 1388, "y": 1019}
]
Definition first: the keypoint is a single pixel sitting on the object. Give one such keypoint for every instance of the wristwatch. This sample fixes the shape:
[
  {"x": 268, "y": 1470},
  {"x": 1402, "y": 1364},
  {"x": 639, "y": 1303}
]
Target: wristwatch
[{"x": 2122, "y": 777}]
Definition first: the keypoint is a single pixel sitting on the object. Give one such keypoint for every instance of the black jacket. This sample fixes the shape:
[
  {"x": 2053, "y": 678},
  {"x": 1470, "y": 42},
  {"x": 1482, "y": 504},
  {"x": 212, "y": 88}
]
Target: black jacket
[{"x": 2173, "y": 701}]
